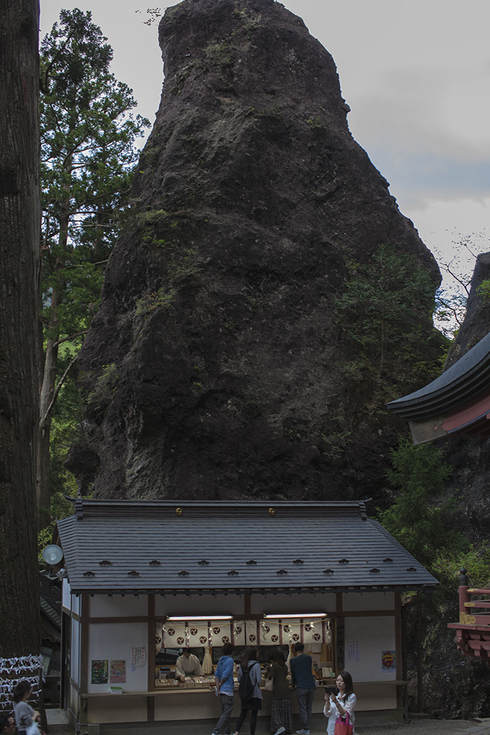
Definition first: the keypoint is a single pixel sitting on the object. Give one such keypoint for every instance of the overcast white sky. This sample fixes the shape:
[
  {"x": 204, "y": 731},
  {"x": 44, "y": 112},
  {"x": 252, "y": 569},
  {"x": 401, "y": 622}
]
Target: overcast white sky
[{"x": 415, "y": 74}]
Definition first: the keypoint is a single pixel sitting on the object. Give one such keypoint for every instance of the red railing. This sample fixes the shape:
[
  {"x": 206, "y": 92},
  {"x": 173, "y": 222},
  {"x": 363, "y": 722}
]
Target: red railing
[{"x": 473, "y": 630}]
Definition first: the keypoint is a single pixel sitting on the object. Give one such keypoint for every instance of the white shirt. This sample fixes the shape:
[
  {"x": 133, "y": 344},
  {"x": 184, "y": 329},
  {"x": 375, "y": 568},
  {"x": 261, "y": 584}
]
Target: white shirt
[
  {"x": 334, "y": 713},
  {"x": 185, "y": 666}
]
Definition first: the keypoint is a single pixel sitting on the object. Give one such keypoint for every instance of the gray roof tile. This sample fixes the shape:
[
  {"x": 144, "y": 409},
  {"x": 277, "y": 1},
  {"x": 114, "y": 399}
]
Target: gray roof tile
[{"x": 141, "y": 546}]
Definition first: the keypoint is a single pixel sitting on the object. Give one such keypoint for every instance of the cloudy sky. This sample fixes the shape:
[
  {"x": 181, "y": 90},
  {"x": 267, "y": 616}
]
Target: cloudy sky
[{"x": 415, "y": 74}]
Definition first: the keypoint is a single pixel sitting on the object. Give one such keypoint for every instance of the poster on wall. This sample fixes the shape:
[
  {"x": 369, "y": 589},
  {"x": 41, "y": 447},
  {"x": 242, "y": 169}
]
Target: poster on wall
[
  {"x": 118, "y": 672},
  {"x": 99, "y": 671},
  {"x": 388, "y": 660},
  {"x": 353, "y": 651},
  {"x": 138, "y": 656}
]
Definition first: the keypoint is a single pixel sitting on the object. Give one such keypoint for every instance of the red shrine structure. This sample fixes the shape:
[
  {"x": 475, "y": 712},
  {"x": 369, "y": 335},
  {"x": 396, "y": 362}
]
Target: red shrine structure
[
  {"x": 457, "y": 403},
  {"x": 473, "y": 630}
]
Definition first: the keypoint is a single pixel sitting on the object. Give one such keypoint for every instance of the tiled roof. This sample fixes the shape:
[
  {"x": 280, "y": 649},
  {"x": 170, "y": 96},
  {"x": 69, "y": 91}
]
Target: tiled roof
[
  {"x": 195, "y": 547},
  {"x": 462, "y": 383}
]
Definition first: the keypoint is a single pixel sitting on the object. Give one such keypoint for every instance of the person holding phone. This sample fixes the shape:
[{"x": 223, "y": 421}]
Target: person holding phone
[{"x": 339, "y": 705}]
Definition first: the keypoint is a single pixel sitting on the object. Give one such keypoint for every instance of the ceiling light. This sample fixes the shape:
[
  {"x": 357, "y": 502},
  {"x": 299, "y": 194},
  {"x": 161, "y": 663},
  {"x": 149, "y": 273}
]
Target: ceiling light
[
  {"x": 289, "y": 616},
  {"x": 199, "y": 617}
]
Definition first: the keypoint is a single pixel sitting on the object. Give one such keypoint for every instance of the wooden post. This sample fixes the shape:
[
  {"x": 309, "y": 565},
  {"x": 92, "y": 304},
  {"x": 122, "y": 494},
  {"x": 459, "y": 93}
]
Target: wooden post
[
  {"x": 463, "y": 595},
  {"x": 420, "y": 653}
]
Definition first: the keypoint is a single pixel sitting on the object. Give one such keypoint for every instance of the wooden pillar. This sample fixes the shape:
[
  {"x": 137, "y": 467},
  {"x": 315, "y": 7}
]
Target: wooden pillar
[
  {"x": 420, "y": 668},
  {"x": 247, "y": 604},
  {"x": 401, "y": 691},
  {"x": 83, "y": 653},
  {"x": 339, "y": 661},
  {"x": 150, "y": 713}
]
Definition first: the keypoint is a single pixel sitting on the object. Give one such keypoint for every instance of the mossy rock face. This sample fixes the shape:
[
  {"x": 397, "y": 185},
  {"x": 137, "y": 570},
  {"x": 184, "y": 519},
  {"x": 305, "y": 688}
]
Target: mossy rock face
[{"x": 251, "y": 204}]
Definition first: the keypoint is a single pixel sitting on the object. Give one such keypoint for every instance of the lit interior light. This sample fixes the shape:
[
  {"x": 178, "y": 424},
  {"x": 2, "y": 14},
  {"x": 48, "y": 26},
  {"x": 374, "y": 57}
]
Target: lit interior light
[
  {"x": 289, "y": 616},
  {"x": 199, "y": 617}
]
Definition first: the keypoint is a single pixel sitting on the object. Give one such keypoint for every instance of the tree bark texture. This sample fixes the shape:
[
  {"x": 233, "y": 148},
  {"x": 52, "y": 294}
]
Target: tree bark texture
[{"x": 19, "y": 326}]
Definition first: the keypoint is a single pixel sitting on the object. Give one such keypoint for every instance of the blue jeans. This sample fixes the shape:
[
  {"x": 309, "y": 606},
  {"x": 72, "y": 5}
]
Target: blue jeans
[
  {"x": 226, "y": 709},
  {"x": 305, "y": 704}
]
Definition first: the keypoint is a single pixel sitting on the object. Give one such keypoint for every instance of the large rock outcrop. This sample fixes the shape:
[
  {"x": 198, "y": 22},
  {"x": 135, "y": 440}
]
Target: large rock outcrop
[{"x": 216, "y": 367}]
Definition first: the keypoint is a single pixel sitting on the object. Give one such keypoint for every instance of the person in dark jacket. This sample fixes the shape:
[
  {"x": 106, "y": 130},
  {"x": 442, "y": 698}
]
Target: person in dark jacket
[
  {"x": 281, "y": 709},
  {"x": 7, "y": 725},
  {"x": 304, "y": 683},
  {"x": 254, "y": 703}
]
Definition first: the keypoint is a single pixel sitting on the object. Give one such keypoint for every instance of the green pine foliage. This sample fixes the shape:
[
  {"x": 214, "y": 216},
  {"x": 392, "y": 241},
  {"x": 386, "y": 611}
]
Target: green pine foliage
[
  {"x": 88, "y": 153},
  {"x": 384, "y": 313},
  {"x": 425, "y": 521},
  {"x": 417, "y": 518}
]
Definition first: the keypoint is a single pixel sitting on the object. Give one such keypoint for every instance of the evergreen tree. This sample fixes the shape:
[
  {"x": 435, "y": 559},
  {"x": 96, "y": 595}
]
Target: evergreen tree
[
  {"x": 386, "y": 304},
  {"x": 87, "y": 157},
  {"x": 384, "y": 316},
  {"x": 419, "y": 474}
]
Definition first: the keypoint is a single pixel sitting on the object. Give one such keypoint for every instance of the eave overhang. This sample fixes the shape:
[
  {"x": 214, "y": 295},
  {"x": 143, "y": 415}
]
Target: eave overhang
[{"x": 463, "y": 384}]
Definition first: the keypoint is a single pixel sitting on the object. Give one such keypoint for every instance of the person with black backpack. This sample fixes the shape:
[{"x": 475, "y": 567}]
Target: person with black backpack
[{"x": 249, "y": 677}]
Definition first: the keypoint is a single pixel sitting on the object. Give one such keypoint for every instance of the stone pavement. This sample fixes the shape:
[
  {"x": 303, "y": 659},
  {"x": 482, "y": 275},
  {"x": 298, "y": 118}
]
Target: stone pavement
[
  {"x": 427, "y": 726},
  {"x": 58, "y": 725}
]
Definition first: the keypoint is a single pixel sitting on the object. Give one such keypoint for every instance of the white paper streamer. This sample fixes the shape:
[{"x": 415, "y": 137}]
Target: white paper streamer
[{"x": 17, "y": 669}]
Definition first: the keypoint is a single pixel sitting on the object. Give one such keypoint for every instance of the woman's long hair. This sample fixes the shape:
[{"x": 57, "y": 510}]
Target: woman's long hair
[
  {"x": 19, "y": 691},
  {"x": 349, "y": 686},
  {"x": 279, "y": 658},
  {"x": 249, "y": 655}
]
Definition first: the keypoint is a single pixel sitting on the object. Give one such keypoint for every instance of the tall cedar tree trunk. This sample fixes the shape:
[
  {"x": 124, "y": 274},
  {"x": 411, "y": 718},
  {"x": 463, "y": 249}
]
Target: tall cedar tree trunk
[{"x": 19, "y": 326}]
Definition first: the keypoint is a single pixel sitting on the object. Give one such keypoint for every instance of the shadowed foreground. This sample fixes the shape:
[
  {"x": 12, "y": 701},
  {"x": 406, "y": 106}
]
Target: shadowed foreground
[{"x": 422, "y": 726}]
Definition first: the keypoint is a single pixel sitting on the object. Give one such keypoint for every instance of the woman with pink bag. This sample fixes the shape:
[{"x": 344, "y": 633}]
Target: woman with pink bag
[{"x": 340, "y": 708}]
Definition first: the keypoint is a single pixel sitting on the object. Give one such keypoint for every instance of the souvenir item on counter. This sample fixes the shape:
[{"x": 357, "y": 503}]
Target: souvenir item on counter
[{"x": 207, "y": 664}]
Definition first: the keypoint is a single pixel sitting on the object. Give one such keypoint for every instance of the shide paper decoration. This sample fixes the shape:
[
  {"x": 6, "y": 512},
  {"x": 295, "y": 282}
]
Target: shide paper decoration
[{"x": 15, "y": 669}]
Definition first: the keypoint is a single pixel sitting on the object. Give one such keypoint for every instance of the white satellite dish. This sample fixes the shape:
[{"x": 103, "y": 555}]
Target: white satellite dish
[{"x": 52, "y": 554}]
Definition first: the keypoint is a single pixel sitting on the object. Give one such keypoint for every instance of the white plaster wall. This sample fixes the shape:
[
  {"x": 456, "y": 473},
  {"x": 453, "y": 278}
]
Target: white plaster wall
[
  {"x": 302, "y": 603},
  {"x": 199, "y": 605},
  {"x": 117, "y": 606},
  {"x": 65, "y": 594},
  {"x": 73, "y": 701},
  {"x": 354, "y": 601},
  {"x": 76, "y": 604},
  {"x": 373, "y": 635},
  {"x": 375, "y": 697},
  {"x": 118, "y": 708},
  {"x": 114, "y": 641},
  {"x": 69, "y": 601}
]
